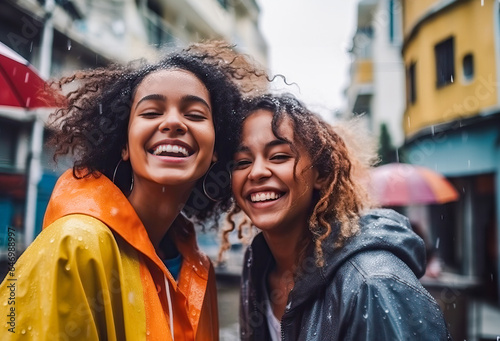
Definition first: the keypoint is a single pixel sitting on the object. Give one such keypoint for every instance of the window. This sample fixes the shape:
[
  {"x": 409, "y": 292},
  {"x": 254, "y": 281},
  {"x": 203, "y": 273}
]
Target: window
[
  {"x": 395, "y": 13},
  {"x": 9, "y": 133},
  {"x": 411, "y": 84},
  {"x": 223, "y": 3},
  {"x": 468, "y": 66},
  {"x": 445, "y": 65}
]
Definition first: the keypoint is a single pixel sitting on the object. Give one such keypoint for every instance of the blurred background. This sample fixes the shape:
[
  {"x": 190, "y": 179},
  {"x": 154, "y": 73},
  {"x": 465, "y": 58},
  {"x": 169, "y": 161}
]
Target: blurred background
[{"x": 421, "y": 75}]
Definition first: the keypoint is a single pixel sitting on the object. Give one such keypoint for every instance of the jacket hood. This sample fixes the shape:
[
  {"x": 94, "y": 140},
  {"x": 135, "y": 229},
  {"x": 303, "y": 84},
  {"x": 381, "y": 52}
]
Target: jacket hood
[
  {"x": 380, "y": 229},
  {"x": 98, "y": 197}
]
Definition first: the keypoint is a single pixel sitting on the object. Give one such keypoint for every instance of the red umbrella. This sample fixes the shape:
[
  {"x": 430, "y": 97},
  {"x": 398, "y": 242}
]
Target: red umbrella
[
  {"x": 20, "y": 84},
  {"x": 400, "y": 184}
]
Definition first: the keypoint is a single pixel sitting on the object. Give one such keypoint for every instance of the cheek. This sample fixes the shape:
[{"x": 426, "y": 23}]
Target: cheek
[{"x": 236, "y": 183}]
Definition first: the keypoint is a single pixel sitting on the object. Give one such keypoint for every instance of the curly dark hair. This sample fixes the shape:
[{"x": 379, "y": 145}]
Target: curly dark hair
[
  {"x": 92, "y": 125},
  {"x": 341, "y": 200}
]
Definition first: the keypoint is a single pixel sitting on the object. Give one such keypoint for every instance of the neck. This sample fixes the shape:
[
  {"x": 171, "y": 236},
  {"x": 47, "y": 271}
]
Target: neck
[
  {"x": 157, "y": 206},
  {"x": 285, "y": 248}
]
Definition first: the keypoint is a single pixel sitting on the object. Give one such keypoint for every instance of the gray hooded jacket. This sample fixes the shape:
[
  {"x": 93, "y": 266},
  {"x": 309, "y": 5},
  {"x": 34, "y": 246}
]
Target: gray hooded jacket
[{"x": 367, "y": 290}]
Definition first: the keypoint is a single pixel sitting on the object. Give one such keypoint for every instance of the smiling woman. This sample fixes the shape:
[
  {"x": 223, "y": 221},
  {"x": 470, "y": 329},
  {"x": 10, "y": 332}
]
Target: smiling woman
[
  {"x": 117, "y": 259},
  {"x": 325, "y": 266}
]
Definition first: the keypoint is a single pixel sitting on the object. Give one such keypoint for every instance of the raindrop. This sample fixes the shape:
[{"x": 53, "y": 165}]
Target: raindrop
[
  {"x": 80, "y": 238},
  {"x": 52, "y": 240},
  {"x": 442, "y": 217},
  {"x": 29, "y": 327},
  {"x": 491, "y": 276},
  {"x": 26, "y": 77},
  {"x": 163, "y": 189},
  {"x": 100, "y": 108},
  {"x": 463, "y": 189},
  {"x": 468, "y": 164},
  {"x": 409, "y": 123},
  {"x": 148, "y": 332},
  {"x": 28, "y": 100},
  {"x": 437, "y": 241},
  {"x": 67, "y": 267},
  {"x": 451, "y": 78},
  {"x": 386, "y": 311},
  {"x": 23, "y": 331},
  {"x": 419, "y": 321},
  {"x": 397, "y": 154},
  {"x": 482, "y": 3},
  {"x": 69, "y": 44},
  {"x": 365, "y": 315},
  {"x": 454, "y": 306},
  {"x": 31, "y": 46},
  {"x": 432, "y": 130}
]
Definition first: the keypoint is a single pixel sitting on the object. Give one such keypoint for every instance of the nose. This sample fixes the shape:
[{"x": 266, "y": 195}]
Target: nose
[
  {"x": 173, "y": 122},
  {"x": 259, "y": 170}
]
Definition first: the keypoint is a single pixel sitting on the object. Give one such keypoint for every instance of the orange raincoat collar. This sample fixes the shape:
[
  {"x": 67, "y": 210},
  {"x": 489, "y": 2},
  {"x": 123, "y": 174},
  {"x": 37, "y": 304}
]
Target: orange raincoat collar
[{"x": 97, "y": 196}]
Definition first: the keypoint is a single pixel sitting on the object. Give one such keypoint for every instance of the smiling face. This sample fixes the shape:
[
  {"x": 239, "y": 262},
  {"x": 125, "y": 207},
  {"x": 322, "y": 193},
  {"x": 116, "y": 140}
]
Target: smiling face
[
  {"x": 275, "y": 194},
  {"x": 171, "y": 134}
]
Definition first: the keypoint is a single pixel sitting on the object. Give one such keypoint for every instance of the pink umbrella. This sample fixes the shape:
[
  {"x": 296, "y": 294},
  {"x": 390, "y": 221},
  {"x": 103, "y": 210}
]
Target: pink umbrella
[
  {"x": 20, "y": 83},
  {"x": 399, "y": 184}
]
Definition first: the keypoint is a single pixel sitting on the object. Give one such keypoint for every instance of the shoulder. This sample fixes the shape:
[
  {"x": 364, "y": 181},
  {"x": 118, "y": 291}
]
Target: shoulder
[
  {"x": 375, "y": 271},
  {"x": 380, "y": 294},
  {"x": 79, "y": 227},
  {"x": 75, "y": 234}
]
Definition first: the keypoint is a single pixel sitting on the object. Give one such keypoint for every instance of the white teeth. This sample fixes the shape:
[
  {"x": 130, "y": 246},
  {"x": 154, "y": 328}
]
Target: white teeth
[
  {"x": 170, "y": 149},
  {"x": 256, "y": 197}
]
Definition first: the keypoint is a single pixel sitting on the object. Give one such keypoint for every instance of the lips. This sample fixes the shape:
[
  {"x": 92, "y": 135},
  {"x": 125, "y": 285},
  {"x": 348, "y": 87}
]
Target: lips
[{"x": 265, "y": 196}]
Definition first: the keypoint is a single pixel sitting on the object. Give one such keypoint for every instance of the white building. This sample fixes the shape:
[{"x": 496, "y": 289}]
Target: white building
[{"x": 377, "y": 86}]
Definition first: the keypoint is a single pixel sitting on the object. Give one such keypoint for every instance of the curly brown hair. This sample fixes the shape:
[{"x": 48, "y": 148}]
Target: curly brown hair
[
  {"x": 92, "y": 124},
  {"x": 336, "y": 208}
]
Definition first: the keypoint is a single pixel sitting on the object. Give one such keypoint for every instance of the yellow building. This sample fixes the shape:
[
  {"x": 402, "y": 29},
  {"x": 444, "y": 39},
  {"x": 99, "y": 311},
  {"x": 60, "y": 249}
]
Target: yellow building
[
  {"x": 451, "y": 59},
  {"x": 451, "y": 53}
]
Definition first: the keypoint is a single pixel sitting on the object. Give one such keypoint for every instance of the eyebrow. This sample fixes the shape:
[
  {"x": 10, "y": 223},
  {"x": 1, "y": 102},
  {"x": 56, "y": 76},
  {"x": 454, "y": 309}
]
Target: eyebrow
[
  {"x": 152, "y": 97},
  {"x": 186, "y": 98},
  {"x": 268, "y": 145}
]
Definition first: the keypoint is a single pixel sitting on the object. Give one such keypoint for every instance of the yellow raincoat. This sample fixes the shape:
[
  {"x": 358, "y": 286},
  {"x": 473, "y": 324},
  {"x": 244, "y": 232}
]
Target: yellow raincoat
[{"x": 93, "y": 274}]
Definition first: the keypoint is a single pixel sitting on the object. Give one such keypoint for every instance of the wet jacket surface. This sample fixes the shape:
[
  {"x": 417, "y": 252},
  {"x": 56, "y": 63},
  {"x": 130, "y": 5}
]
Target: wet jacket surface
[
  {"x": 367, "y": 290},
  {"x": 93, "y": 274}
]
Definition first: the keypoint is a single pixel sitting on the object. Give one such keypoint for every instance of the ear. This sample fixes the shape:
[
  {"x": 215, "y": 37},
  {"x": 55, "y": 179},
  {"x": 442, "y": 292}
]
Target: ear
[
  {"x": 319, "y": 182},
  {"x": 214, "y": 157},
  {"x": 125, "y": 153}
]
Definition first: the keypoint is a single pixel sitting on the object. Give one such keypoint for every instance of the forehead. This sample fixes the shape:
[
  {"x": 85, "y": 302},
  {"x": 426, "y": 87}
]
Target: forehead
[
  {"x": 258, "y": 127},
  {"x": 171, "y": 81}
]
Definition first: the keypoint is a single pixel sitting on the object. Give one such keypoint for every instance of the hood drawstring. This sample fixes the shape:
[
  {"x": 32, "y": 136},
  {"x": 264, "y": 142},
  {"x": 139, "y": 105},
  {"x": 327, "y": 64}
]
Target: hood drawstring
[{"x": 170, "y": 310}]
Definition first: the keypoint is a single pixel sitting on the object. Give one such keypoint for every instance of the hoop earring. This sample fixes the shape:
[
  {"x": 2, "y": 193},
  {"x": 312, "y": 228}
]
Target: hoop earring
[
  {"x": 116, "y": 169},
  {"x": 114, "y": 175},
  {"x": 204, "y": 184}
]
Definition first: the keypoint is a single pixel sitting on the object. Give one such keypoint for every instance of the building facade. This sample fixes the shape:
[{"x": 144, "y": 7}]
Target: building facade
[
  {"x": 87, "y": 34},
  {"x": 376, "y": 89},
  {"x": 451, "y": 54}
]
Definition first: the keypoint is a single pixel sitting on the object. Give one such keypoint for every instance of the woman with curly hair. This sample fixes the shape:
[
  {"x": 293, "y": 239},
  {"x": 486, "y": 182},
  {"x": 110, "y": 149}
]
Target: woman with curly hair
[
  {"x": 325, "y": 266},
  {"x": 118, "y": 259}
]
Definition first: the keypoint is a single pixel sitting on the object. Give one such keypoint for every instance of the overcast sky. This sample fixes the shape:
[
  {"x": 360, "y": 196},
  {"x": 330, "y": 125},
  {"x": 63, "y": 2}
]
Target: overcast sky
[{"x": 308, "y": 43}]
